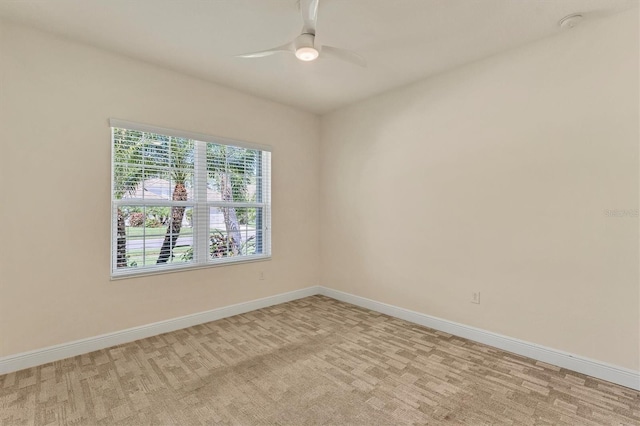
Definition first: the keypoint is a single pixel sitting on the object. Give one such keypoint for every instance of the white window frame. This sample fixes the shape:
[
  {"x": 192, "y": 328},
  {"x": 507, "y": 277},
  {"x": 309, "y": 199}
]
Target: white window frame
[{"x": 201, "y": 206}]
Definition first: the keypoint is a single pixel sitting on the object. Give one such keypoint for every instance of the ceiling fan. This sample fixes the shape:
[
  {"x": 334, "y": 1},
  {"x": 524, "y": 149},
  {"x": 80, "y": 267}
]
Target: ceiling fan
[{"x": 304, "y": 46}]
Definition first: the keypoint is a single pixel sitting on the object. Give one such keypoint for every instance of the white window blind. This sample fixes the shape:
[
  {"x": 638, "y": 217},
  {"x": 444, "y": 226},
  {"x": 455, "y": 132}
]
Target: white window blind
[{"x": 180, "y": 202}]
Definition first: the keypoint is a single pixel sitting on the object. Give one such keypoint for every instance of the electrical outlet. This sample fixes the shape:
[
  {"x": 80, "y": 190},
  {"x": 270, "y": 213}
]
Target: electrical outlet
[
  {"x": 261, "y": 275},
  {"x": 475, "y": 297}
]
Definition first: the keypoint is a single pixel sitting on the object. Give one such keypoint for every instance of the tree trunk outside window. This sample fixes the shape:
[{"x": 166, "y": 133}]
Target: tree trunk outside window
[
  {"x": 175, "y": 223},
  {"x": 121, "y": 246},
  {"x": 230, "y": 217}
]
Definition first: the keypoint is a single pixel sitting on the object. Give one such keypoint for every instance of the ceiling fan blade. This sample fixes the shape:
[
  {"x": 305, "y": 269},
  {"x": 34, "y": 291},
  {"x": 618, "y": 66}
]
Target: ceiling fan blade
[
  {"x": 309, "y": 11},
  {"x": 345, "y": 55},
  {"x": 262, "y": 53}
]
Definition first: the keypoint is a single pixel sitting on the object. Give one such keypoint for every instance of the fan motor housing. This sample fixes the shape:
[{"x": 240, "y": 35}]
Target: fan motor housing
[{"x": 305, "y": 40}]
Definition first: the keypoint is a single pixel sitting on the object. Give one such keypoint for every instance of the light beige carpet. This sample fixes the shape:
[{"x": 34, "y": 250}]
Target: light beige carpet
[{"x": 311, "y": 361}]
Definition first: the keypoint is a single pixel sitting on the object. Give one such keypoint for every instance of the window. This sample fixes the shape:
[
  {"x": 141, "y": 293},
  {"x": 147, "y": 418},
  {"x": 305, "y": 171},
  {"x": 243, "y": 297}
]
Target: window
[{"x": 182, "y": 200}]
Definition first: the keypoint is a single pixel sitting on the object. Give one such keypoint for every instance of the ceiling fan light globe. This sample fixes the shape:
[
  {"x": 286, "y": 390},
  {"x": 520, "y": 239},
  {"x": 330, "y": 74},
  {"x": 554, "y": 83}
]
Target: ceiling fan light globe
[{"x": 306, "y": 53}]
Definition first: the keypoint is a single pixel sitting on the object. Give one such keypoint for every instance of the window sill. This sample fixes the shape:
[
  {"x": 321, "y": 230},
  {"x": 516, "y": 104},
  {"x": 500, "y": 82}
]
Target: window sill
[{"x": 128, "y": 275}]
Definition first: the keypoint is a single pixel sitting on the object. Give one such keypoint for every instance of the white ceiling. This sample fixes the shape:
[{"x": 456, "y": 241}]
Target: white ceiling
[{"x": 402, "y": 40}]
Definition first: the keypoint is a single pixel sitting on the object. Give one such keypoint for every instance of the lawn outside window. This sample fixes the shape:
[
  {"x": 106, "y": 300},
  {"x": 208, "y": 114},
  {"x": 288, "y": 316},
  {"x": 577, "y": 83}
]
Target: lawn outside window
[{"x": 183, "y": 200}]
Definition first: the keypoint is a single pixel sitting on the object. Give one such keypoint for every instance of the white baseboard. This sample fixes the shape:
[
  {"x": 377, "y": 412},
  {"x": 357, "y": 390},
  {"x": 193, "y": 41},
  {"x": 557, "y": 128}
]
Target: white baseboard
[
  {"x": 54, "y": 353},
  {"x": 601, "y": 370}
]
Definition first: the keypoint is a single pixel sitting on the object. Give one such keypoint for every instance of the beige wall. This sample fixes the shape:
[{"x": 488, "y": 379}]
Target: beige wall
[
  {"x": 56, "y": 99},
  {"x": 494, "y": 178}
]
